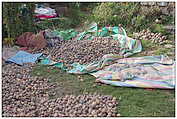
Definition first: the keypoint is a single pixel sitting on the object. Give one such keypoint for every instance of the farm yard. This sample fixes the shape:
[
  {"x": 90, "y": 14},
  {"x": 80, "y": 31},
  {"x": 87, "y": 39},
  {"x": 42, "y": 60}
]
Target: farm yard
[{"x": 83, "y": 59}]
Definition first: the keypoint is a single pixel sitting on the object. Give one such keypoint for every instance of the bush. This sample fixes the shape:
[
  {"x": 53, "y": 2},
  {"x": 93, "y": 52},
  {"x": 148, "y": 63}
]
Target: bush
[
  {"x": 61, "y": 23},
  {"x": 168, "y": 19},
  {"x": 139, "y": 22},
  {"x": 151, "y": 12},
  {"x": 158, "y": 28},
  {"x": 76, "y": 16},
  {"x": 103, "y": 13},
  {"x": 131, "y": 15},
  {"x": 18, "y": 18},
  {"x": 115, "y": 13}
]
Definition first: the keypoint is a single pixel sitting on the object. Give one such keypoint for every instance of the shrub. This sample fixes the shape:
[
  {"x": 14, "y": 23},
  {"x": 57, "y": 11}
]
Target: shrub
[
  {"x": 103, "y": 13},
  {"x": 168, "y": 19},
  {"x": 59, "y": 23},
  {"x": 139, "y": 22},
  {"x": 151, "y": 12},
  {"x": 18, "y": 18},
  {"x": 158, "y": 28},
  {"x": 115, "y": 13},
  {"x": 131, "y": 15},
  {"x": 76, "y": 16}
]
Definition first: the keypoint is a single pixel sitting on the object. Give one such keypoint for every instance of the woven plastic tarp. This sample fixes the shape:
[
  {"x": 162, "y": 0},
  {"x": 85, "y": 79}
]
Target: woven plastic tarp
[
  {"x": 24, "y": 57},
  {"x": 47, "y": 61},
  {"x": 144, "y": 72},
  {"x": 33, "y": 41},
  {"x": 66, "y": 35},
  {"x": 94, "y": 66}
]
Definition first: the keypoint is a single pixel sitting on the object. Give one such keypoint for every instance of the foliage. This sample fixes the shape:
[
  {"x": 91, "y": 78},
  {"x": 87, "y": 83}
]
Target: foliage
[
  {"x": 150, "y": 12},
  {"x": 61, "y": 23},
  {"x": 76, "y": 16},
  {"x": 83, "y": 5},
  {"x": 139, "y": 22},
  {"x": 9, "y": 41},
  {"x": 103, "y": 13},
  {"x": 147, "y": 44},
  {"x": 115, "y": 13},
  {"x": 10, "y": 18},
  {"x": 163, "y": 51},
  {"x": 158, "y": 28},
  {"x": 18, "y": 18},
  {"x": 131, "y": 15},
  {"x": 169, "y": 19}
]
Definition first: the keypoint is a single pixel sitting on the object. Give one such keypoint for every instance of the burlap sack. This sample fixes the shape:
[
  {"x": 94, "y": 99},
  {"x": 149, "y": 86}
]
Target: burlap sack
[{"x": 32, "y": 41}]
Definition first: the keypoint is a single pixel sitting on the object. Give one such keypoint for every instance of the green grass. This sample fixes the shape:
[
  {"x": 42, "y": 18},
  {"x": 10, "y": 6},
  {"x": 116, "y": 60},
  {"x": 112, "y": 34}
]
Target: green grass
[
  {"x": 162, "y": 51},
  {"x": 133, "y": 102},
  {"x": 150, "y": 48}
]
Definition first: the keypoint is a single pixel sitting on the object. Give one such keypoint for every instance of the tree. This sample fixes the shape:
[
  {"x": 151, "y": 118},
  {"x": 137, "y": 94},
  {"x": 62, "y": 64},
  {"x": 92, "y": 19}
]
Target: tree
[{"x": 18, "y": 18}]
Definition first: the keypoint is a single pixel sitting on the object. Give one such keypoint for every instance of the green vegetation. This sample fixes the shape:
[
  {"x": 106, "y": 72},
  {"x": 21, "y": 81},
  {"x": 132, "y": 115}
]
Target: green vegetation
[
  {"x": 168, "y": 19},
  {"x": 131, "y": 15},
  {"x": 62, "y": 23},
  {"x": 164, "y": 51},
  {"x": 147, "y": 45},
  {"x": 158, "y": 28},
  {"x": 115, "y": 13},
  {"x": 18, "y": 18}
]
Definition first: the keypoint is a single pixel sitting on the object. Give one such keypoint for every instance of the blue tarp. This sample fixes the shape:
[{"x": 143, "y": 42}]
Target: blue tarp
[{"x": 24, "y": 57}]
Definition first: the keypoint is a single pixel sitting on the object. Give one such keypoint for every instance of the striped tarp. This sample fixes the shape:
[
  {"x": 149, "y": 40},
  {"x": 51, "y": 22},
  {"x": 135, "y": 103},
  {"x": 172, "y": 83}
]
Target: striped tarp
[{"x": 144, "y": 72}]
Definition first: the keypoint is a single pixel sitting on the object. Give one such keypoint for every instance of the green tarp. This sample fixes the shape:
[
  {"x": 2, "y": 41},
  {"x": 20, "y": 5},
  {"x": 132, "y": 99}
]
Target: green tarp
[{"x": 66, "y": 35}]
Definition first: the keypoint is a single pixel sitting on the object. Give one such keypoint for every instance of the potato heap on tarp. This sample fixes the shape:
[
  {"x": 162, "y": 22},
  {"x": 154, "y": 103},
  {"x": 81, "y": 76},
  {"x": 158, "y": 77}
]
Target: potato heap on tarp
[{"x": 83, "y": 51}]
